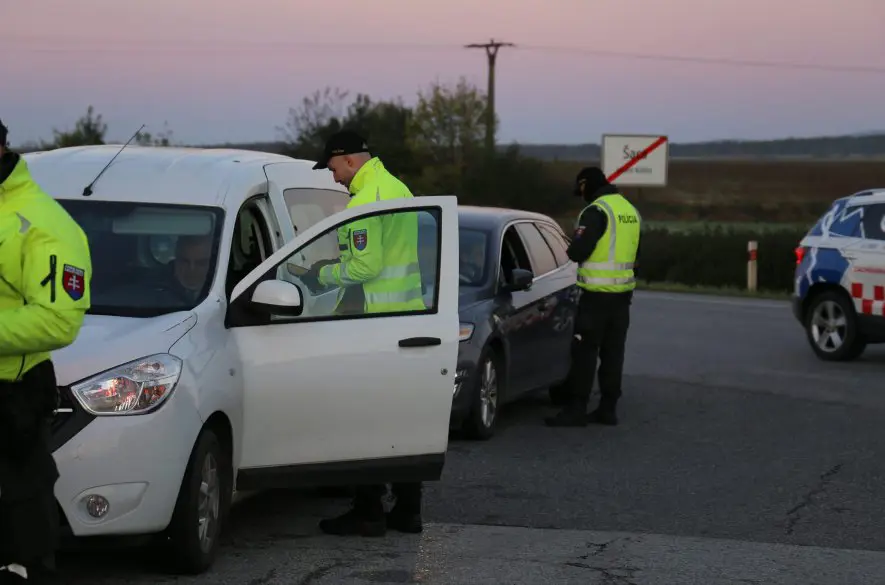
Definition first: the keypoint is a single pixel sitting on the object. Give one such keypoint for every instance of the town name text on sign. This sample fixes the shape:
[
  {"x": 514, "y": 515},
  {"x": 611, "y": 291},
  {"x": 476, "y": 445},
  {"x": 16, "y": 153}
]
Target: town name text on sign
[{"x": 627, "y": 160}]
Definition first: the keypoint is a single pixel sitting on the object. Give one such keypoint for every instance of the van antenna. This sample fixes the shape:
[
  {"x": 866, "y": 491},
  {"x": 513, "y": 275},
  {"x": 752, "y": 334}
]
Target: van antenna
[{"x": 88, "y": 190}]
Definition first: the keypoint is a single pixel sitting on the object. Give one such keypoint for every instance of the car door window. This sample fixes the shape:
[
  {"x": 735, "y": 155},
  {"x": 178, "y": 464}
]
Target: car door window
[
  {"x": 251, "y": 244},
  {"x": 513, "y": 255},
  {"x": 541, "y": 254},
  {"x": 556, "y": 241},
  {"x": 874, "y": 222},
  {"x": 364, "y": 260}
]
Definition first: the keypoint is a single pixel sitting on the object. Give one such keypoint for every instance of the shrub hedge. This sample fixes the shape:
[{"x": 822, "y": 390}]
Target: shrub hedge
[{"x": 717, "y": 256}]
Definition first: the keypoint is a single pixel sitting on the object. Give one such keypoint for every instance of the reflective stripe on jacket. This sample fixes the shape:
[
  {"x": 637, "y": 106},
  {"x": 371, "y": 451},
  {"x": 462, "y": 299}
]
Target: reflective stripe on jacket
[
  {"x": 45, "y": 270},
  {"x": 610, "y": 267},
  {"x": 381, "y": 251}
]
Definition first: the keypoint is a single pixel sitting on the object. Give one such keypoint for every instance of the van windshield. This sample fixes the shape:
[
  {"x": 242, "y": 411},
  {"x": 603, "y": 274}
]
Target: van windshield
[{"x": 148, "y": 260}]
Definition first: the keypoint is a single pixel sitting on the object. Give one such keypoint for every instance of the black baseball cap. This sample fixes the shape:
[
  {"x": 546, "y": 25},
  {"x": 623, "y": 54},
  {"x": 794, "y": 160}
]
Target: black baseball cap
[
  {"x": 343, "y": 142},
  {"x": 4, "y": 132}
]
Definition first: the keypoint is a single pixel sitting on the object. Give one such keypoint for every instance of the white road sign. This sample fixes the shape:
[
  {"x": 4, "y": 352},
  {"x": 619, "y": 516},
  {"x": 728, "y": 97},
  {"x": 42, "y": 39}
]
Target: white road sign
[{"x": 636, "y": 160}]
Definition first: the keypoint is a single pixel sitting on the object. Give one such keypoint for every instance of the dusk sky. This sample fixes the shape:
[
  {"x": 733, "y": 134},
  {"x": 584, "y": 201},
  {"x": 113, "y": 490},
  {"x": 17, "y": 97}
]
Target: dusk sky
[{"x": 225, "y": 70}]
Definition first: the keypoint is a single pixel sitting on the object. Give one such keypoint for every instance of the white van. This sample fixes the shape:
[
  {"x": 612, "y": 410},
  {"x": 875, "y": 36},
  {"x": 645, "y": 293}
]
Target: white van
[{"x": 205, "y": 366}]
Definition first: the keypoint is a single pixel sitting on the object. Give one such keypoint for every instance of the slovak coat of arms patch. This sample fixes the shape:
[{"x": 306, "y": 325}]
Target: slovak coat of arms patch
[
  {"x": 74, "y": 281},
  {"x": 360, "y": 239}
]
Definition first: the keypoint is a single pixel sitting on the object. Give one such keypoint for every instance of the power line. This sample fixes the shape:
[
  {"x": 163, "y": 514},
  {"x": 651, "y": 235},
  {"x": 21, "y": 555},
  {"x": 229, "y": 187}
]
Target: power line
[
  {"x": 491, "y": 49},
  {"x": 708, "y": 60},
  {"x": 53, "y": 45}
]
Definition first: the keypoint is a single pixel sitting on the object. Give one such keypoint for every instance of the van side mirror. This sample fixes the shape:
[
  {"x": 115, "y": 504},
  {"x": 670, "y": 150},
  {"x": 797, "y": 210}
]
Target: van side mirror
[
  {"x": 278, "y": 297},
  {"x": 520, "y": 279}
]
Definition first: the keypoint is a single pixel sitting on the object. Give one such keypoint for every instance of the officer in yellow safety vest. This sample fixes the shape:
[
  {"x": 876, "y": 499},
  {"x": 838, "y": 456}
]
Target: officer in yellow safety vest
[
  {"x": 378, "y": 272},
  {"x": 45, "y": 270},
  {"x": 606, "y": 248}
]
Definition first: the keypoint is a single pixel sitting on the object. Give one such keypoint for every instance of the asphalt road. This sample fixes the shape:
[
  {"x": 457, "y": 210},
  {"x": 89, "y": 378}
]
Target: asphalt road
[{"x": 738, "y": 450}]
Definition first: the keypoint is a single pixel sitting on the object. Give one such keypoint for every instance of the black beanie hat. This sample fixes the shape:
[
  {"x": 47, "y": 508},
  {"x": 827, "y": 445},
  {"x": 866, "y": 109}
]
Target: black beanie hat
[
  {"x": 592, "y": 179},
  {"x": 3, "y": 134}
]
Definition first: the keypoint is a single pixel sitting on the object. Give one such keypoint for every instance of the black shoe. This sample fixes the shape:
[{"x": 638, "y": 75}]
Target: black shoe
[
  {"x": 353, "y": 524},
  {"x": 404, "y": 522},
  {"x": 567, "y": 418},
  {"x": 603, "y": 417}
]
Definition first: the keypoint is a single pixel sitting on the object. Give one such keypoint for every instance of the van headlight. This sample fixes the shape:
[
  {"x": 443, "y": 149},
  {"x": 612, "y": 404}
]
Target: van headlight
[
  {"x": 134, "y": 388},
  {"x": 466, "y": 332}
]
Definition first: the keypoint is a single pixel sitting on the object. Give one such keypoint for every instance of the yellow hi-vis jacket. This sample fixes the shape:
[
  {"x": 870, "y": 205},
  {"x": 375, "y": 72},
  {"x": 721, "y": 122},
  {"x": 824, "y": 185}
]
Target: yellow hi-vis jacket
[
  {"x": 45, "y": 270},
  {"x": 610, "y": 267},
  {"x": 381, "y": 252}
]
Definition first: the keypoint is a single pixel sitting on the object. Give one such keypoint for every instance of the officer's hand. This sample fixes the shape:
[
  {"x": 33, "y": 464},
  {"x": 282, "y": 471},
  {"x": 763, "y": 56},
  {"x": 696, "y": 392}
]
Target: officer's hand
[
  {"x": 311, "y": 280},
  {"x": 320, "y": 263}
]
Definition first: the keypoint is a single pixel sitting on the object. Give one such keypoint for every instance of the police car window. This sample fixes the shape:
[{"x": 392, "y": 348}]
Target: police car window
[
  {"x": 839, "y": 221},
  {"x": 874, "y": 222},
  {"x": 148, "y": 260},
  {"x": 541, "y": 254},
  {"x": 556, "y": 242}
]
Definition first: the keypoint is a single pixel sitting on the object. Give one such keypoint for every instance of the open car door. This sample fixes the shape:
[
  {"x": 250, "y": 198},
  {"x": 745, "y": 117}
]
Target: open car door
[{"x": 335, "y": 396}]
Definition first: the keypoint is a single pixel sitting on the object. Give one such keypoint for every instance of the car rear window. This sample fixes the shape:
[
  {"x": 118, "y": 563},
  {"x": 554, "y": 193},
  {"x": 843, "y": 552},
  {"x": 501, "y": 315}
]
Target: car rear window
[{"x": 839, "y": 221}]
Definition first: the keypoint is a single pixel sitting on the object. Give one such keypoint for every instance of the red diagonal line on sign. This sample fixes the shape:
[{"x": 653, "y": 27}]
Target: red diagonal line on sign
[{"x": 637, "y": 158}]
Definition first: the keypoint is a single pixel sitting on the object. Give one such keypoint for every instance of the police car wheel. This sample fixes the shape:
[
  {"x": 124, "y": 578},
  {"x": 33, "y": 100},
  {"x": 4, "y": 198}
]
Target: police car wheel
[
  {"x": 486, "y": 392},
  {"x": 831, "y": 327},
  {"x": 201, "y": 509}
]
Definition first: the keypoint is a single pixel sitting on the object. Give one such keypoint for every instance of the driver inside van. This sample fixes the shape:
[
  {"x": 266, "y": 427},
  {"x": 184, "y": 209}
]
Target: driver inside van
[{"x": 191, "y": 265}]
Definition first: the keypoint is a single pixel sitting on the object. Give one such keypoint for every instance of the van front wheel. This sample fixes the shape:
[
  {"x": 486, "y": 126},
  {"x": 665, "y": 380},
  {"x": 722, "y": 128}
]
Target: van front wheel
[{"x": 202, "y": 506}]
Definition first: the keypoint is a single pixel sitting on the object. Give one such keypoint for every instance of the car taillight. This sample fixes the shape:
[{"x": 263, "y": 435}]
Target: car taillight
[{"x": 800, "y": 254}]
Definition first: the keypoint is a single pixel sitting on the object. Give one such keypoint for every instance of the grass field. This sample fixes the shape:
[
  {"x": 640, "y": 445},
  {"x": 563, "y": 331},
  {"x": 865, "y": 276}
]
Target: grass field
[{"x": 746, "y": 191}]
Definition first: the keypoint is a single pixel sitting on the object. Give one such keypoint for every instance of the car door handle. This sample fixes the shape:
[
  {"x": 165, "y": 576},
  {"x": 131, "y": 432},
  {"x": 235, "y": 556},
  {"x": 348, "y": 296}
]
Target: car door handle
[{"x": 420, "y": 341}]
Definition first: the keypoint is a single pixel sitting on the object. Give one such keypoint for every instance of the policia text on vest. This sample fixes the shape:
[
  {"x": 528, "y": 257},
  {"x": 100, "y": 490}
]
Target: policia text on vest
[
  {"x": 44, "y": 294},
  {"x": 606, "y": 248}
]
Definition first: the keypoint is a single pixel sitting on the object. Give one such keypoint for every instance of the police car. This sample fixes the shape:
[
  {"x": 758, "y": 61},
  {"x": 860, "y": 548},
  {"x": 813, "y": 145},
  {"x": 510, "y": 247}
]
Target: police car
[
  {"x": 205, "y": 366},
  {"x": 839, "y": 293}
]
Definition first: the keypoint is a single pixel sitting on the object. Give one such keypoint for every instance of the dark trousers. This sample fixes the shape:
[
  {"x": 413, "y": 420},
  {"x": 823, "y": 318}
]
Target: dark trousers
[
  {"x": 602, "y": 323},
  {"x": 29, "y": 522},
  {"x": 368, "y": 500}
]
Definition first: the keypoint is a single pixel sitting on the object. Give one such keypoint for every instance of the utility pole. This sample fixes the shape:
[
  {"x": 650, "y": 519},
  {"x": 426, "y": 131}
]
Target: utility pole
[{"x": 491, "y": 52}]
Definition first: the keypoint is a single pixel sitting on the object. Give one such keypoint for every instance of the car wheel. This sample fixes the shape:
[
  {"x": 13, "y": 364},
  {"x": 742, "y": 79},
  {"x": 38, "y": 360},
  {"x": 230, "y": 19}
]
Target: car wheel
[
  {"x": 202, "y": 506},
  {"x": 486, "y": 392},
  {"x": 831, "y": 327}
]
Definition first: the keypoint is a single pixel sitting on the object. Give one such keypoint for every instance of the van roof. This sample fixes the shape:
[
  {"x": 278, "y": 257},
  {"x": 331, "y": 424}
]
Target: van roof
[{"x": 144, "y": 174}]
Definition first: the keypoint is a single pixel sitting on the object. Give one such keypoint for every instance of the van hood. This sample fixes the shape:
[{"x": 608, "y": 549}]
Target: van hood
[{"x": 105, "y": 342}]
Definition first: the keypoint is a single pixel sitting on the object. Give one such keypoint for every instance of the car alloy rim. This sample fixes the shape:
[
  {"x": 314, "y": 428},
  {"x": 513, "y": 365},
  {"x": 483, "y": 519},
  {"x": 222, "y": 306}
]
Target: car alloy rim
[
  {"x": 829, "y": 326},
  {"x": 488, "y": 393},
  {"x": 208, "y": 502}
]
